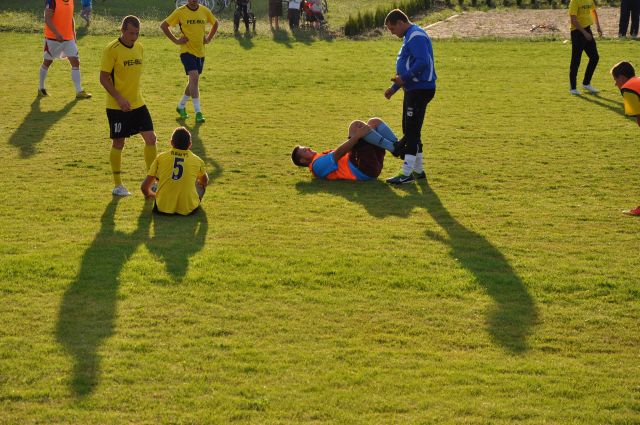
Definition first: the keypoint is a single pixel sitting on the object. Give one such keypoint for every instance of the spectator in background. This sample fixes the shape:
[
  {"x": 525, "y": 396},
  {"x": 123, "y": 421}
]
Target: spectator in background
[
  {"x": 629, "y": 8},
  {"x": 86, "y": 11},
  {"x": 294, "y": 14},
  {"x": 242, "y": 8},
  {"x": 582, "y": 14},
  {"x": 275, "y": 11}
]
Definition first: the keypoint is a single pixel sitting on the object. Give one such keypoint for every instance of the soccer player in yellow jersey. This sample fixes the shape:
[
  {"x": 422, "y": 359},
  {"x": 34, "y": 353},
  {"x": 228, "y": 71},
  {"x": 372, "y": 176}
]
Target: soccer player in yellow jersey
[
  {"x": 181, "y": 176},
  {"x": 127, "y": 113},
  {"x": 625, "y": 79},
  {"x": 192, "y": 19},
  {"x": 60, "y": 43},
  {"x": 582, "y": 14}
]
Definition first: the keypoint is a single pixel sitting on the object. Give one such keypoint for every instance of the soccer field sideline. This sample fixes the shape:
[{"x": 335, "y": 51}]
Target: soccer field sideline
[{"x": 292, "y": 300}]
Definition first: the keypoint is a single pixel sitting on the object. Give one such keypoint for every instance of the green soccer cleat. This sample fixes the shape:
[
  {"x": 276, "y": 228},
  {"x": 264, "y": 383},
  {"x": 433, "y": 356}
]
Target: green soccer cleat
[
  {"x": 199, "y": 117},
  {"x": 183, "y": 113}
]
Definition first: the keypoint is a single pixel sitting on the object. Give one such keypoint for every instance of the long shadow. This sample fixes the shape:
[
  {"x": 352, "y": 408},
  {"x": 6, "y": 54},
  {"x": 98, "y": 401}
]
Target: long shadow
[
  {"x": 213, "y": 168},
  {"x": 244, "y": 40},
  {"x": 176, "y": 239},
  {"x": 510, "y": 322},
  {"x": 35, "y": 125},
  {"x": 281, "y": 36},
  {"x": 603, "y": 102},
  {"x": 87, "y": 313}
]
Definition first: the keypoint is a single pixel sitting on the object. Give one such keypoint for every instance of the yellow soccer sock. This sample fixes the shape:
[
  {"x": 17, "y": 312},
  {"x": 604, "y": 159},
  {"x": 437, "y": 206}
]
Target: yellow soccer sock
[
  {"x": 115, "y": 158},
  {"x": 150, "y": 153}
]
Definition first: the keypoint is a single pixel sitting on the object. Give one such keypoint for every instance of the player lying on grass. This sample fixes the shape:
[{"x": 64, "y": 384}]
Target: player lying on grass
[
  {"x": 359, "y": 158},
  {"x": 625, "y": 78},
  {"x": 180, "y": 175}
]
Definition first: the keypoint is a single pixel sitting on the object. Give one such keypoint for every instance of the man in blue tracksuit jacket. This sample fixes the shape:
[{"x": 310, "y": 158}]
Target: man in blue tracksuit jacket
[{"x": 416, "y": 74}]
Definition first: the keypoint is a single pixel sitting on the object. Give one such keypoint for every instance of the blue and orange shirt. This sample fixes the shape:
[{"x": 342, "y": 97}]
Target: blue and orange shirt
[
  {"x": 324, "y": 166},
  {"x": 631, "y": 96}
]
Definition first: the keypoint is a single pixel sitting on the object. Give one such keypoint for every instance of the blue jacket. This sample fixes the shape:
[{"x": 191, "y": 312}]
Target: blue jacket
[{"x": 415, "y": 61}]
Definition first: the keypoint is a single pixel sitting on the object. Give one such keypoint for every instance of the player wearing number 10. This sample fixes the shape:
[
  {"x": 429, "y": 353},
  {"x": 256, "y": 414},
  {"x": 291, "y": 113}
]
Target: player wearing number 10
[
  {"x": 127, "y": 113},
  {"x": 181, "y": 175}
]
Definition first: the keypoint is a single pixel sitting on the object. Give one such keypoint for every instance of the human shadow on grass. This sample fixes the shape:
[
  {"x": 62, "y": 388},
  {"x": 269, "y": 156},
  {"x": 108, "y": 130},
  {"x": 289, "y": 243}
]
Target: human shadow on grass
[
  {"x": 176, "y": 239},
  {"x": 87, "y": 313},
  {"x": 245, "y": 40},
  {"x": 35, "y": 125},
  {"x": 214, "y": 170},
  {"x": 281, "y": 36},
  {"x": 603, "y": 102},
  {"x": 511, "y": 320},
  {"x": 88, "y": 309}
]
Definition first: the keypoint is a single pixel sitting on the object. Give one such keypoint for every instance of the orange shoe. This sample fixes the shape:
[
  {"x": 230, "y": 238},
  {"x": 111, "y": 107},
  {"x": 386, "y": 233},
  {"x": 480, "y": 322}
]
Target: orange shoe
[{"x": 635, "y": 211}]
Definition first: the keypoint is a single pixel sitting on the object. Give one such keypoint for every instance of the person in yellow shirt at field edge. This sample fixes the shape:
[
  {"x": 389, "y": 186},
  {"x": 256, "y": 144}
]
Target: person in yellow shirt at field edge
[
  {"x": 625, "y": 79},
  {"x": 192, "y": 19},
  {"x": 181, "y": 177},
  {"x": 582, "y": 14}
]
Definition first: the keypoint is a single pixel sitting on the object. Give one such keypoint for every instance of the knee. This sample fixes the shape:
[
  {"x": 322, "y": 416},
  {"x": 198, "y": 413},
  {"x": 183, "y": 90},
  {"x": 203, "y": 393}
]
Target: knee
[
  {"x": 150, "y": 138},
  {"x": 355, "y": 125},
  {"x": 118, "y": 144},
  {"x": 374, "y": 122}
]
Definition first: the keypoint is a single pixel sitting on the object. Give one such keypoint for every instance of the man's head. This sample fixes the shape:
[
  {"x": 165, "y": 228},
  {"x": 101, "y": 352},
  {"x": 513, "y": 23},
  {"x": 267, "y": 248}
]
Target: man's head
[
  {"x": 181, "y": 139},
  {"x": 397, "y": 22},
  {"x": 302, "y": 156},
  {"x": 130, "y": 29},
  {"x": 192, "y": 4},
  {"x": 622, "y": 72}
]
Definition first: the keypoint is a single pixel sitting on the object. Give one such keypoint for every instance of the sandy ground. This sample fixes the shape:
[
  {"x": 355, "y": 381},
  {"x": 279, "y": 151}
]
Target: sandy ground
[{"x": 519, "y": 23}]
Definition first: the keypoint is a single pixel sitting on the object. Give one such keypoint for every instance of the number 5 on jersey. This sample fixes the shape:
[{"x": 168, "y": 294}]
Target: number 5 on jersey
[{"x": 178, "y": 168}]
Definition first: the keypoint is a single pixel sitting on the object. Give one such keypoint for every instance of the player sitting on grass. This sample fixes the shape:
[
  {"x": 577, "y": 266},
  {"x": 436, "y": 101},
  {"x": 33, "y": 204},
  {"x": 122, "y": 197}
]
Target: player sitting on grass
[
  {"x": 181, "y": 176},
  {"x": 359, "y": 158},
  {"x": 625, "y": 77}
]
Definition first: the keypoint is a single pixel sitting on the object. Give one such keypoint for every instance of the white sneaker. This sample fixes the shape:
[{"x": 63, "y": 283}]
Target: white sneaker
[
  {"x": 590, "y": 88},
  {"x": 574, "y": 92},
  {"x": 120, "y": 190}
]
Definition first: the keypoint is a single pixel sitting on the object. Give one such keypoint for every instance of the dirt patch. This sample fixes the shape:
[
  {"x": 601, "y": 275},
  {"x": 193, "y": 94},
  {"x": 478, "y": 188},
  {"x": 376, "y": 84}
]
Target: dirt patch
[{"x": 518, "y": 23}]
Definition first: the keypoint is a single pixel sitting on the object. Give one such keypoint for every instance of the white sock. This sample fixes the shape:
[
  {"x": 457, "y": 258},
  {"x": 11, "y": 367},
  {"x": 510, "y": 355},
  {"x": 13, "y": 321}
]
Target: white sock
[
  {"x": 418, "y": 167},
  {"x": 43, "y": 76},
  {"x": 183, "y": 101},
  {"x": 196, "y": 103},
  {"x": 407, "y": 166},
  {"x": 75, "y": 76}
]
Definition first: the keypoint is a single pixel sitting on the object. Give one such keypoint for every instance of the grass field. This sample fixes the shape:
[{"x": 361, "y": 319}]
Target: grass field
[{"x": 503, "y": 291}]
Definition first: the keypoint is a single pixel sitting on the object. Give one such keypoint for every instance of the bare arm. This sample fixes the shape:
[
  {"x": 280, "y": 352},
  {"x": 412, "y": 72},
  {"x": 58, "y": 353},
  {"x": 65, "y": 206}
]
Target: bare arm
[
  {"x": 145, "y": 187},
  {"x": 346, "y": 147},
  {"x": 595, "y": 17},
  {"x": 212, "y": 32},
  {"x": 107, "y": 83},
  {"x": 48, "y": 18},
  {"x": 164, "y": 26},
  {"x": 574, "y": 21},
  {"x": 204, "y": 180}
]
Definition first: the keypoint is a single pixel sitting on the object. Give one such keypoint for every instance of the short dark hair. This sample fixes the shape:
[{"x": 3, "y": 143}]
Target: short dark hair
[
  {"x": 181, "y": 138},
  {"x": 396, "y": 15},
  {"x": 130, "y": 20},
  {"x": 294, "y": 157},
  {"x": 623, "y": 68}
]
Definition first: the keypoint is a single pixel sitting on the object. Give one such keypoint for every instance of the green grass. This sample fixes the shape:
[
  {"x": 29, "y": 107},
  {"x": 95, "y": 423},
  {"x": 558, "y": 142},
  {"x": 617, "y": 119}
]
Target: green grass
[{"x": 504, "y": 291}]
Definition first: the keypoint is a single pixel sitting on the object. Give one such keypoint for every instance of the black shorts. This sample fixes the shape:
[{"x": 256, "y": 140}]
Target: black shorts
[
  {"x": 125, "y": 124},
  {"x": 192, "y": 63}
]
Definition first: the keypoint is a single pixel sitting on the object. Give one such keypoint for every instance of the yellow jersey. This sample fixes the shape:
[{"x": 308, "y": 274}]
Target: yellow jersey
[
  {"x": 192, "y": 25},
  {"x": 582, "y": 9},
  {"x": 125, "y": 66},
  {"x": 176, "y": 171},
  {"x": 631, "y": 96}
]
